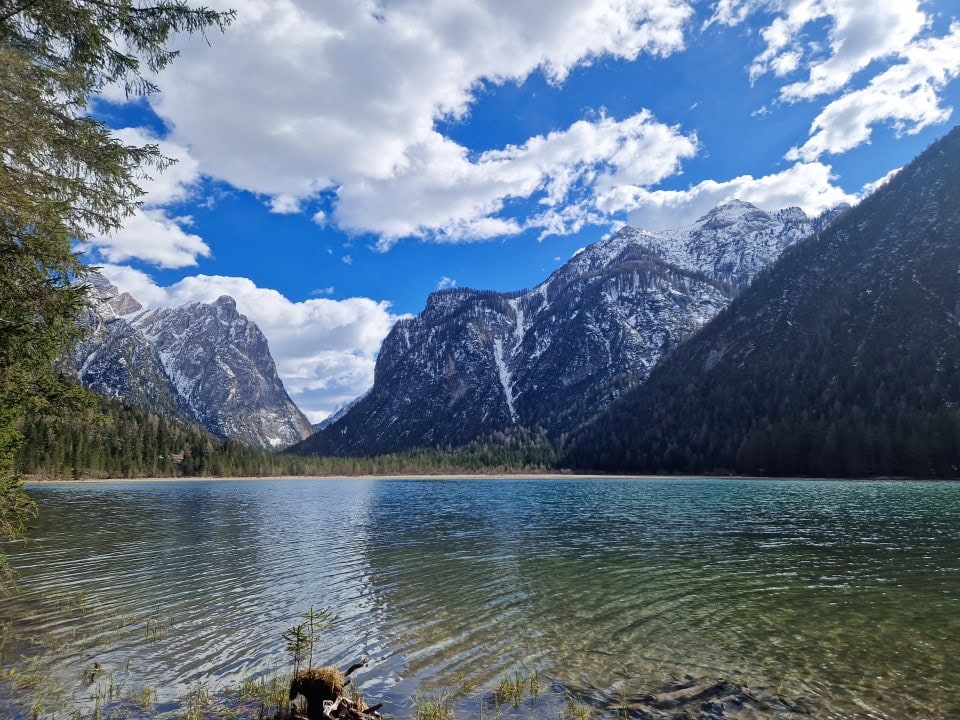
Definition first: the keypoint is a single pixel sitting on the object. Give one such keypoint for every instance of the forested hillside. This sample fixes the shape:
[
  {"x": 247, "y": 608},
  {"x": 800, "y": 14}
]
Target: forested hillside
[
  {"x": 474, "y": 361},
  {"x": 129, "y": 442},
  {"x": 843, "y": 359}
]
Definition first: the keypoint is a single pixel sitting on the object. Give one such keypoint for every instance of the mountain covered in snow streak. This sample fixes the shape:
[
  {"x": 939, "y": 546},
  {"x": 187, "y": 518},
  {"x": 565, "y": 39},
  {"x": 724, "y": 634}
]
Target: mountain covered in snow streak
[
  {"x": 475, "y": 362},
  {"x": 841, "y": 360},
  {"x": 200, "y": 363}
]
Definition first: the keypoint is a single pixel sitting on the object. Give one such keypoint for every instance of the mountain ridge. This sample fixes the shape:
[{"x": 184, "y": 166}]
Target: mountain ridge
[
  {"x": 201, "y": 363},
  {"x": 475, "y": 361},
  {"x": 841, "y": 359}
]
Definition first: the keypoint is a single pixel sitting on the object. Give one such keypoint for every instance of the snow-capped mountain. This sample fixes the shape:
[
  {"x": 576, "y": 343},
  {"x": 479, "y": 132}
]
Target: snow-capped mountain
[
  {"x": 840, "y": 360},
  {"x": 475, "y": 362},
  {"x": 203, "y": 363}
]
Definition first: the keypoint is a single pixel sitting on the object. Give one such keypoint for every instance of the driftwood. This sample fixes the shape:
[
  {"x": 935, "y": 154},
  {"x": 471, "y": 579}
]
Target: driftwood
[
  {"x": 356, "y": 666},
  {"x": 345, "y": 709},
  {"x": 323, "y": 690}
]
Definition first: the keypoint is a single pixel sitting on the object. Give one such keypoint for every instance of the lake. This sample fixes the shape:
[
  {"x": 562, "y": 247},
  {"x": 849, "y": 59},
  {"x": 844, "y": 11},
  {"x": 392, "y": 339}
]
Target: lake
[{"x": 845, "y": 595}]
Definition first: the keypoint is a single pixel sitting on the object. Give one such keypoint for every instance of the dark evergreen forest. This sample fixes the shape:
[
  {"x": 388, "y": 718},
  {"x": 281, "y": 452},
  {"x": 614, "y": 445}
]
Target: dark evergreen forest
[
  {"x": 126, "y": 442},
  {"x": 842, "y": 359}
]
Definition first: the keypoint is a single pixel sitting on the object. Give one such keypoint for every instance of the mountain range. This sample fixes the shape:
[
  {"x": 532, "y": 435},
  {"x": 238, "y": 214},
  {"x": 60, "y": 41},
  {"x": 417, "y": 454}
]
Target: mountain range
[
  {"x": 842, "y": 359},
  {"x": 479, "y": 362},
  {"x": 747, "y": 342},
  {"x": 198, "y": 363}
]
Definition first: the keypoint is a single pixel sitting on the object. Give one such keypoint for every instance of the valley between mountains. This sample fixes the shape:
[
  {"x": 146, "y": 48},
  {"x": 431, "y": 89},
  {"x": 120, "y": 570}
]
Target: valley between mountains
[{"x": 747, "y": 342}]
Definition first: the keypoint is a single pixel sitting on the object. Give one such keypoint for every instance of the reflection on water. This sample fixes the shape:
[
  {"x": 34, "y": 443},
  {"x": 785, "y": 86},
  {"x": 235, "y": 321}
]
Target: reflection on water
[{"x": 845, "y": 594}]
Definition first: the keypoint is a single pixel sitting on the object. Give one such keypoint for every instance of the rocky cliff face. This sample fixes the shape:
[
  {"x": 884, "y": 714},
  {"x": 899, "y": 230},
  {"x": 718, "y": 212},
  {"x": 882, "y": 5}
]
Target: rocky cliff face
[
  {"x": 475, "y": 362},
  {"x": 201, "y": 363}
]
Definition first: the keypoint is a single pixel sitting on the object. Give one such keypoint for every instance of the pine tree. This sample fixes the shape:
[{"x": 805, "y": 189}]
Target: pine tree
[{"x": 63, "y": 177}]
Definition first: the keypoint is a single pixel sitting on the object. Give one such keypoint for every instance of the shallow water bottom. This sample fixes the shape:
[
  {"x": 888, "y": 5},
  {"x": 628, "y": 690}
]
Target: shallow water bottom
[{"x": 841, "y": 596}]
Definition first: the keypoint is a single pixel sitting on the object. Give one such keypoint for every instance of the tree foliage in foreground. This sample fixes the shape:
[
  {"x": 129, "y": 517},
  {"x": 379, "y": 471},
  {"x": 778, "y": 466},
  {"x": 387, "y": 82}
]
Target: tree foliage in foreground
[
  {"x": 64, "y": 178},
  {"x": 131, "y": 443}
]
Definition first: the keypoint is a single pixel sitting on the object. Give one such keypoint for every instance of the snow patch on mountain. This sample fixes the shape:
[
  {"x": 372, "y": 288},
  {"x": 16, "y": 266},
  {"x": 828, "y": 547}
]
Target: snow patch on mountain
[
  {"x": 476, "y": 362},
  {"x": 202, "y": 363}
]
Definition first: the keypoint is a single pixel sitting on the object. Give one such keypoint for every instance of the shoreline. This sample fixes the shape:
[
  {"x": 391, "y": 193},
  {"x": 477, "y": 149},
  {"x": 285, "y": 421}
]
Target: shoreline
[
  {"x": 395, "y": 476},
  {"x": 40, "y": 481}
]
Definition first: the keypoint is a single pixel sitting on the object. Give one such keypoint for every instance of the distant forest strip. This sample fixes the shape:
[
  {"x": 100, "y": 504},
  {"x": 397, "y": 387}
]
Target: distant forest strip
[{"x": 126, "y": 442}]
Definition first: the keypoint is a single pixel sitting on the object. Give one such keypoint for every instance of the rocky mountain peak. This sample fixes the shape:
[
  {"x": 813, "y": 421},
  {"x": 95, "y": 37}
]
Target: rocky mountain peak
[
  {"x": 475, "y": 362},
  {"x": 125, "y": 304},
  {"x": 204, "y": 363},
  {"x": 226, "y": 304}
]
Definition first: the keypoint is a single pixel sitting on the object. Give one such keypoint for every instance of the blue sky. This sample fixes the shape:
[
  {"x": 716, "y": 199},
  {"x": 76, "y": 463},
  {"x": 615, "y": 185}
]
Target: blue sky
[{"x": 338, "y": 161}]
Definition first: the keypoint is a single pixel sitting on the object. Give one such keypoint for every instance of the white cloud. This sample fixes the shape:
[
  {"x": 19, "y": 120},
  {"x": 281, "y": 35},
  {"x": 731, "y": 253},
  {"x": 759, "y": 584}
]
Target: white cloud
[
  {"x": 151, "y": 234},
  {"x": 446, "y": 195},
  {"x": 323, "y": 291},
  {"x": 731, "y": 12},
  {"x": 805, "y": 185},
  {"x": 347, "y": 260},
  {"x": 859, "y": 34},
  {"x": 872, "y": 187},
  {"x": 363, "y": 85},
  {"x": 320, "y": 218},
  {"x": 906, "y": 94},
  {"x": 284, "y": 204},
  {"x": 175, "y": 183},
  {"x": 446, "y": 282},
  {"x": 154, "y": 237},
  {"x": 325, "y": 349}
]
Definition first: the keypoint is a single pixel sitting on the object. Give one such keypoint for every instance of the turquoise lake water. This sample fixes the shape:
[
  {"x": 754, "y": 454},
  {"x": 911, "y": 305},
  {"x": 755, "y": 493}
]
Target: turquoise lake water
[{"x": 845, "y": 595}]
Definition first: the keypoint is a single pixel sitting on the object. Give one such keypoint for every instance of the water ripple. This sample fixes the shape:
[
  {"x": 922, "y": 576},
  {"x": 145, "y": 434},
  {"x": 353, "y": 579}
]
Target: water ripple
[{"x": 846, "y": 594}]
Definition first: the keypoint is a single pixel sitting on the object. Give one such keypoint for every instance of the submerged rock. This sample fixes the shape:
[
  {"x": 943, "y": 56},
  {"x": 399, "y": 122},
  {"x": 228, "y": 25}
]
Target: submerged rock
[{"x": 702, "y": 698}]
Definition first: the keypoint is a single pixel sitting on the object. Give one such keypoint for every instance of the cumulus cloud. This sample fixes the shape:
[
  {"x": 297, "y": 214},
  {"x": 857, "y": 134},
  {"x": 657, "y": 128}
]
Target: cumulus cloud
[
  {"x": 806, "y": 185},
  {"x": 906, "y": 94},
  {"x": 364, "y": 84},
  {"x": 859, "y": 33},
  {"x": 446, "y": 282},
  {"x": 871, "y": 187},
  {"x": 446, "y": 195},
  {"x": 325, "y": 349},
  {"x": 284, "y": 204},
  {"x": 151, "y": 234}
]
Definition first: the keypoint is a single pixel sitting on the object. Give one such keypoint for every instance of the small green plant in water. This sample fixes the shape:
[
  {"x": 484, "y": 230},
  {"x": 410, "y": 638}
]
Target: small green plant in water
[
  {"x": 623, "y": 708},
  {"x": 434, "y": 706},
  {"x": 91, "y": 672},
  {"x": 576, "y": 709},
  {"x": 356, "y": 697},
  {"x": 297, "y": 641},
  {"x": 511, "y": 689},
  {"x": 145, "y": 698},
  {"x": 316, "y": 622},
  {"x": 301, "y": 638},
  {"x": 196, "y": 702},
  {"x": 270, "y": 694},
  {"x": 534, "y": 684}
]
